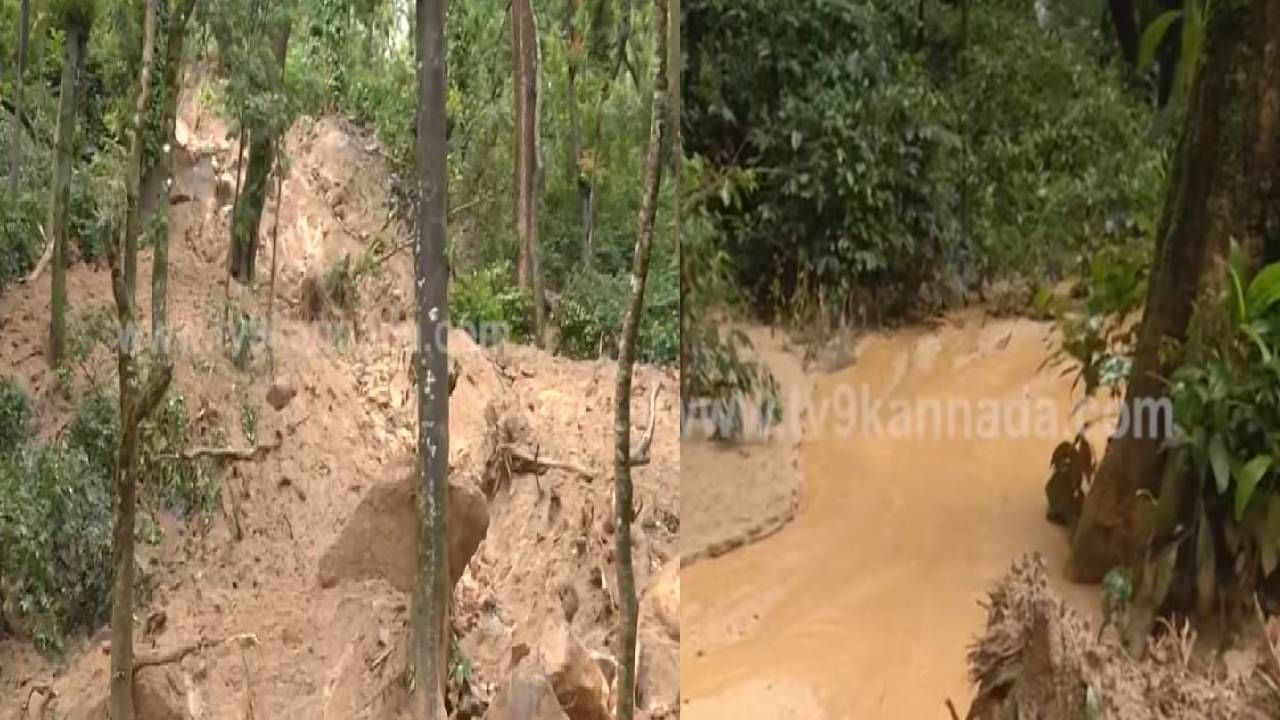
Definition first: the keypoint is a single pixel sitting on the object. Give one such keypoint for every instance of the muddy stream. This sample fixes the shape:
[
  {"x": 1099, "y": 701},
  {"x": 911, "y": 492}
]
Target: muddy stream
[{"x": 864, "y": 604}]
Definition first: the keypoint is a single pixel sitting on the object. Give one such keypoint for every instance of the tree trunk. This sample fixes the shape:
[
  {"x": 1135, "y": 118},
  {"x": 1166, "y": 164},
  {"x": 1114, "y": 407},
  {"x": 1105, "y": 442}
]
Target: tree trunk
[
  {"x": 431, "y": 591},
  {"x": 525, "y": 91},
  {"x": 174, "y": 42},
  {"x": 248, "y": 212},
  {"x": 72, "y": 68},
  {"x": 1224, "y": 184},
  {"x": 133, "y": 183},
  {"x": 675, "y": 69},
  {"x": 623, "y": 508},
  {"x": 136, "y": 403},
  {"x": 535, "y": 206},
  {"x": 575, "y": 51},
  {"x": 15, "y": 145},
  {"x": 1124, "y": 15}
]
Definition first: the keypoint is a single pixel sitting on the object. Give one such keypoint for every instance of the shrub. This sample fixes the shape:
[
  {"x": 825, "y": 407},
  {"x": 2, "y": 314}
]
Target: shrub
[
  {"x": 488, "y": 298},
  {"x": 15, "y": 416},
  {"x": 591, "y": 310}
]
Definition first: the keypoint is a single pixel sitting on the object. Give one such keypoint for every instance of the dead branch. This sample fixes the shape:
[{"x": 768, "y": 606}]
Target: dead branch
[
  {"x": 406, "y": 244},
  {"x": 44, "y": 258},
  {"x": 177, "y": 654},
  {"x": 641, "y": 454},
  {"x": 227, "y": 454},
  {"x": 534, "y": 462}
]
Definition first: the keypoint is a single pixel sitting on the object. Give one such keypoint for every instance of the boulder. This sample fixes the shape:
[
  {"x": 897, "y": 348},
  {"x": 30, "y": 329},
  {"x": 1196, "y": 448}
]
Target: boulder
[
  {"x": 575, "y": 677},
  {"x": 379, "y": 539},
  {"x": 526, "y": 696}
]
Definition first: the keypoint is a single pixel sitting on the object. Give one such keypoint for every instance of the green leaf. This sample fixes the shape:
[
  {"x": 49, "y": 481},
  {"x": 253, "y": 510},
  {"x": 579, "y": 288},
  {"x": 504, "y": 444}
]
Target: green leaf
[
  {"x": 1152, "y": 36},
  {"x": 1247, "y": 480},
  {"x": 1238, "y": 307},
  {"x": 1264, "y": 291},
  {"x": 1221, "y": 462}
]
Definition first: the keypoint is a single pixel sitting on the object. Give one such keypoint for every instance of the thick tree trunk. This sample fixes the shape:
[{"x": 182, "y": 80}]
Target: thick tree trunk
[
  {"x": 1224, "y": 184},
  {"x": 430, "y": 610},
  {"x": 15, "y": 145},
  {"x": 623, "y": 508},
  {"x": 248, "y": 212},
  {"x": 68, "y": 101},
  {"x": 575, "y": 52},
  {"x": 136, "y": 403},
  {"x": 175, "y": 39}
]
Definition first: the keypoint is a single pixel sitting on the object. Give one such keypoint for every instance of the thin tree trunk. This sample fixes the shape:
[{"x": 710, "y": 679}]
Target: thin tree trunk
[
  {"x": 1224, "y": 184},
  {"x": 675, "y": 69},
  {"x": 275, "y": 247},
  {"x": 175, "y": 39},
  {"x": 136, "y": 403},
  {"x": 431, "y": 590},
  {"x": 535, "y": 206},
  {"x": 248, "y": 212},
  {"x": 524, "y": 91},
  {"x": 575, "y": 50},
  {"x": 1124, "y": 16},
  {"x": 15, "y": 145},
  {"x": 133, "y": 183},
  {"x": 68, "y": 101},
  {"x": 623, "y": 508}
]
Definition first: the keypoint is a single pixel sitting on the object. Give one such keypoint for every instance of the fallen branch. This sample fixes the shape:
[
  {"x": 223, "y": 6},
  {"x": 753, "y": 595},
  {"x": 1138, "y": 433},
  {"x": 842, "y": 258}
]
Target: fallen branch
[
  {"x": 44, "y": 258},
  {"x": 535, "y": 463},
  {"x": 178, "y": 654},
  {"x": 226, "y": 454},
  {"x": 640, "y": 456}
]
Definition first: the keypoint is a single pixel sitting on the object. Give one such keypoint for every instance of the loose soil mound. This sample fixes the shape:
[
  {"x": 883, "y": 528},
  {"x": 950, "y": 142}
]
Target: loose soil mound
[
  {"x": 291, "y": 597},
  {"x": 1038, "y": 658}
]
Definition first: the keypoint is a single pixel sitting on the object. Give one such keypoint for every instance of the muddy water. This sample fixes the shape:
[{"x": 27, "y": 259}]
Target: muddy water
[{"x": 864, "y": 605}]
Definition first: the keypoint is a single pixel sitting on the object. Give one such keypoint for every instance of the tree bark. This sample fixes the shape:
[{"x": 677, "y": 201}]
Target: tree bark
[
  {"x": 431, "y": 590},
  {"x": 68, "y": 101},
  {"x": 523, "y": 91},
  {"x": 248, "y": 212},
  {"x": 1224, "y": 184},
  {"x": 15, "y": 145},
  {"x": 1124, "y": 15},
  {"x": 535, "y": 206},
  {"x": 675, "y": 69},
  {"x": 175, "y": 39},
  {"x": 133, "y": 182},
  {"x": 623, "y": 508},
  {"x": 136, "y": 402},
  {"x": 575, "y": 51}
]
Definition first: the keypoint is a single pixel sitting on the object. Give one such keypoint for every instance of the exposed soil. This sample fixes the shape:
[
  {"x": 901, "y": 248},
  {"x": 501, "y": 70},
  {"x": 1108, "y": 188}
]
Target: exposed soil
[{"x": 294, "y": 588}]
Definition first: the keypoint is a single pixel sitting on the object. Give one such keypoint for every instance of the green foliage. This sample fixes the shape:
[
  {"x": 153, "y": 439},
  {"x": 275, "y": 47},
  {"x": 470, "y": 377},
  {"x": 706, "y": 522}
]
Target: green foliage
[
  {"x": 56, "y": 513},
  {"x": 890, "y": 165},
  {"x": 15, "y": 416},
  {"x": 488, "y": 298},
  {"x": 590, "y": 313},
  {"x": 1227, "y": 410}
]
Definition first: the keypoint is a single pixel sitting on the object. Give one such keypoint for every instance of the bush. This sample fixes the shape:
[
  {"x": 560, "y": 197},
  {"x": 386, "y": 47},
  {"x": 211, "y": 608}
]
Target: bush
[
  {"x": 489, "y": 298},
  {"x": 15, "y": 416},
  {"x": 56, "y": 514},
  {"x": 590, "y": 313}
]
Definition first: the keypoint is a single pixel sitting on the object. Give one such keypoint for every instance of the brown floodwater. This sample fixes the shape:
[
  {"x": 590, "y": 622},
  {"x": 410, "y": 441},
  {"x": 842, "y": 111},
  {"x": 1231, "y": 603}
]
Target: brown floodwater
[{"x": 864, "y": 605}]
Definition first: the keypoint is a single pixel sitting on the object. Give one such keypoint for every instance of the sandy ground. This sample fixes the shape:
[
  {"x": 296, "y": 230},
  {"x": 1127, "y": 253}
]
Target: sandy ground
[
  {"x": 864, "y": 604},
  {"x": 732, "y": 493},
  {"x": 335, "y": 649}
]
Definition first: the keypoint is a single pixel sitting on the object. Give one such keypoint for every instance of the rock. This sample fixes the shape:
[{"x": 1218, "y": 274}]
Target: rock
[
  {"x": 660, "y": 605},
  {"x": 379, "y": 539},
  {"x": 157, "y": 695},
  {"x": 575, "y": 678},
  {"x": 526, "y": 696},
  {"x": 280, "y": 394},
  {"x": 658, "y": 673}
]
